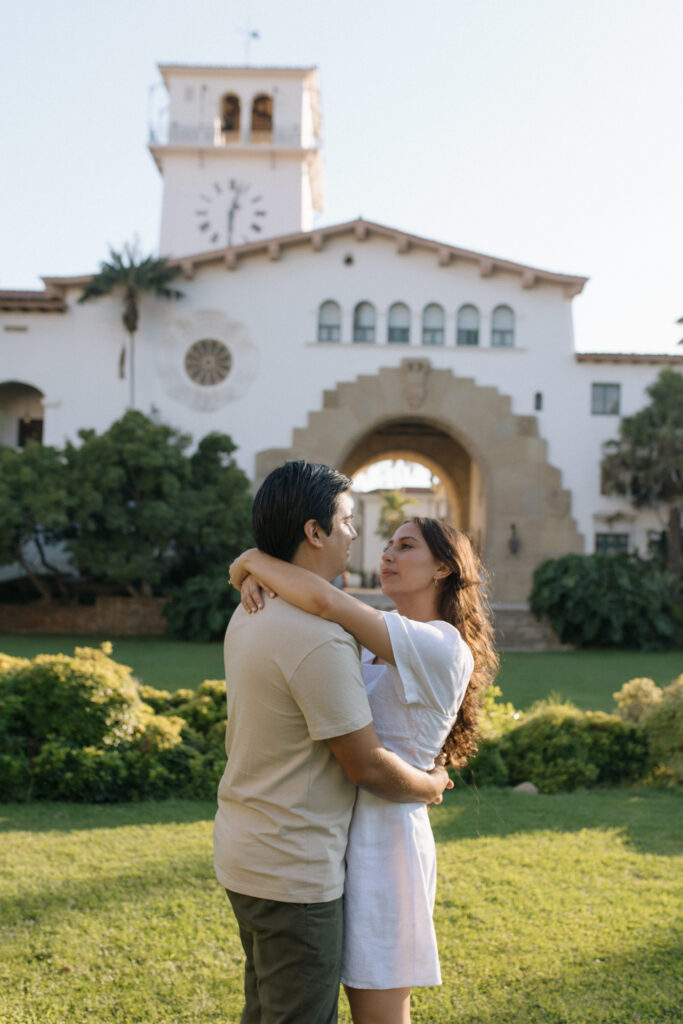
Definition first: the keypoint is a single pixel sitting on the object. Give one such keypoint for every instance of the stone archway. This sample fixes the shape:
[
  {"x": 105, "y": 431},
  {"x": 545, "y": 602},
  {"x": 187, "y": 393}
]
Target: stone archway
[
  {"x": 418, "y": 440},
  {"x": 452, "y": 420}
]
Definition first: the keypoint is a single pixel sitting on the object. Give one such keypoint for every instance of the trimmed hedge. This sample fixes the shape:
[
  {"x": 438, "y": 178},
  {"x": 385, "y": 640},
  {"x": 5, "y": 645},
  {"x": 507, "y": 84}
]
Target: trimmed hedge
[{"x": 80, "y": 728}]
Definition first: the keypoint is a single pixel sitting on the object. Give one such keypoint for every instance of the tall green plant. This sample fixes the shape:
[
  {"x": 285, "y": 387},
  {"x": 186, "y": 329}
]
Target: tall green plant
[
  {"x": 392, "y": 513},
  {"x": 127, "y": 272},
  {"x": 646, "y": 462}
]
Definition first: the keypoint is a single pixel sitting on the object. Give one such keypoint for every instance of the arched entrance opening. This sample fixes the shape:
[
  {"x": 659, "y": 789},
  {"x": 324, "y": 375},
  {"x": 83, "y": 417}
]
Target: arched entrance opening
[
  {"x": 21, "y": 414},
  {"x": 495, "y": 460},
  {"x": 460, "y": 497}
]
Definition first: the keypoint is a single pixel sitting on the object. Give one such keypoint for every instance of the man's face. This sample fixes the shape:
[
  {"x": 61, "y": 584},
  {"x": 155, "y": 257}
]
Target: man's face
[{"x": 337, "y": 545}]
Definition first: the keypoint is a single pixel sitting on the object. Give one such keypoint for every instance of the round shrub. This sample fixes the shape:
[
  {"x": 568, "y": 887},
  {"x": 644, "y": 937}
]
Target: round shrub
[
  {"x": 663, "y": 725},
  {"x": 82, "y": 701},
  {"x": 76, "y": 728},
  {"x": 635, "y": 698},
  {"x": 608, "y": 601},
  {"x": 558, "y": 747}
]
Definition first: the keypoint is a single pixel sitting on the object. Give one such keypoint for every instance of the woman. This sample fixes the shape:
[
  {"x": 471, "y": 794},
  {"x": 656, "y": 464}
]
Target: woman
[{"x": 425, "y": 667}]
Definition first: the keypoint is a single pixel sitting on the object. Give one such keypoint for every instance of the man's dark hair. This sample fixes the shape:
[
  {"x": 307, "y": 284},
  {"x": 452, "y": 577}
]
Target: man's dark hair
[{"x": 290, "y": 496}]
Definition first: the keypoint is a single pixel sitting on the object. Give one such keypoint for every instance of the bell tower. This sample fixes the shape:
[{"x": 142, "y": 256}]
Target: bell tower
[{"x": 239, "y": 153}]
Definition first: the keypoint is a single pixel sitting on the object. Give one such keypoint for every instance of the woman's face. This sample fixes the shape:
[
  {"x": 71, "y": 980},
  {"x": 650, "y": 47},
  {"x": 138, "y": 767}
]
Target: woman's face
[{"x": 408, "y": 565}]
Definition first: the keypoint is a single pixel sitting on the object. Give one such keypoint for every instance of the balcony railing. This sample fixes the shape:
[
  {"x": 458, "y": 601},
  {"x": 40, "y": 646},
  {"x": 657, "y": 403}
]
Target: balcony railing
[{"x": 210, "y": 135}]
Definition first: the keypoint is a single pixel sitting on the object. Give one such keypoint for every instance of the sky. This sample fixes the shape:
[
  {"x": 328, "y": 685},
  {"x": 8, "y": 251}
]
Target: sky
[{"x": 546, "y": 132}]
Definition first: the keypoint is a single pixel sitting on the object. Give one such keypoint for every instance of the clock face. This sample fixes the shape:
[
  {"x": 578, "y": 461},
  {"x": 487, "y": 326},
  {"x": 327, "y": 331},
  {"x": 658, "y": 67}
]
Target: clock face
[{"x": 230, "y": 212}]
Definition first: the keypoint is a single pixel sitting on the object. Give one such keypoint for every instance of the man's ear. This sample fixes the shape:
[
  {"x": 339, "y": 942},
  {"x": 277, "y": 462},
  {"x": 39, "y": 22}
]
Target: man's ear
[{"x": 312, "y": 532}]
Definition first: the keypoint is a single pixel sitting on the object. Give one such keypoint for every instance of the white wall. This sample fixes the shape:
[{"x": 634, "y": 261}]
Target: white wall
[{"x": 266, "y": 312}]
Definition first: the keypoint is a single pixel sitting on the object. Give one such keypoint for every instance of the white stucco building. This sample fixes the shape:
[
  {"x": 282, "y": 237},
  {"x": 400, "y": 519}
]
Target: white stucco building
[{"x": 344, "y": 344}]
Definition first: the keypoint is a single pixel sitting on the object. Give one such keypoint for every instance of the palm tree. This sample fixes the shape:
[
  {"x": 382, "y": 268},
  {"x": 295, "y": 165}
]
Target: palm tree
[
  {"x": 392, "y": 513},
  {"x": 134, "y": 275}
]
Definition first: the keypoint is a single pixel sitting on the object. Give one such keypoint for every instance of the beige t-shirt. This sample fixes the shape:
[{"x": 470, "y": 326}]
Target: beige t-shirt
[{"x": 284, "y": 804}]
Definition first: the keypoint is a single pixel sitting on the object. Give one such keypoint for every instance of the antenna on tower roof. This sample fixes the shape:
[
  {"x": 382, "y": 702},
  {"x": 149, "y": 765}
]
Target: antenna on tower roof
[{"x": 249, "y": 35}]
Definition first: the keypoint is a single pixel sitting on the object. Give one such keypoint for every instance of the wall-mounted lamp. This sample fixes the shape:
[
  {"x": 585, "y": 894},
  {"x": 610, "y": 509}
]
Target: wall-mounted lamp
[{"x": 514, "y": 543}]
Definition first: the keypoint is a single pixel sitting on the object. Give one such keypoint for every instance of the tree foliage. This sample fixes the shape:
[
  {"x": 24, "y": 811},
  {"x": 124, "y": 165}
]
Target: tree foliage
[
  {"x": 33, "y": 510},
  {"x": 392, "y": 513},
  {"x": 646, "y": 462},
  {"x": 146, "y": 515},
  {"x": 135, "y": 512},
  {"x": 128, "y": 487}
]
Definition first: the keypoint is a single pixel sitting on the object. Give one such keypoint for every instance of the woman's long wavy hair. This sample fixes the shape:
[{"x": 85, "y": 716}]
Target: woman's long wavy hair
[{"x": 463, "y": 603}]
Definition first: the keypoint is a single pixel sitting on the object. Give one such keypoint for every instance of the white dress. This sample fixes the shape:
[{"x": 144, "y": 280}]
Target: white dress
[{"x": 389, "y": 939}]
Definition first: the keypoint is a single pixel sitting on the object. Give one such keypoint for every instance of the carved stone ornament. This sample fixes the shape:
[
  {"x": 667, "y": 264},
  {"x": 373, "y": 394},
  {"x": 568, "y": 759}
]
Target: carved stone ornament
[
  {"x": 206, "y": 360},
  {"x": 414, "y": 373}
]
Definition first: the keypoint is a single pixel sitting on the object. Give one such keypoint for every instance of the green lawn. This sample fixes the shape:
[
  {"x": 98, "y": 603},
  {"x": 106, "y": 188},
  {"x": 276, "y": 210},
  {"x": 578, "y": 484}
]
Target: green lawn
[
  {"x": 589, "y": 678},
  {"x": 156, "y": 661},
  {"x": 551, "y": 910}
]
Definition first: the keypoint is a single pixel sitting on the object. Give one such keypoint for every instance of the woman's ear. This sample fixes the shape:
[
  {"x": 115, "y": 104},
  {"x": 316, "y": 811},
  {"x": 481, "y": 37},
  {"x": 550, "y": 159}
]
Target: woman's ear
[
  {"x": 442, "y": 572},
  {"x": 312, "y": 533}
]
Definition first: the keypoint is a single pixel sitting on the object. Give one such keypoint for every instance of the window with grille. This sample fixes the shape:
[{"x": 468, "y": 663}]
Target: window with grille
[
  {"x": 433, "y": 325},
  {"x": 398, "y": 324},
  {"x": 611, "y": 543},
  {"x": 502, "y": 327},
  {"x": 329, "y": 321},
  {"x": 605, "y": 399},
  {"x": 468, "y": 326},
  {"x": 364, "y": 322}
]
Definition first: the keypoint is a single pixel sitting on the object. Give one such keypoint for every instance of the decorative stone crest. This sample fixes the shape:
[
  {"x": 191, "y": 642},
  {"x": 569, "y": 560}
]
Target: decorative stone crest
[{"x": 414, "y": 373}]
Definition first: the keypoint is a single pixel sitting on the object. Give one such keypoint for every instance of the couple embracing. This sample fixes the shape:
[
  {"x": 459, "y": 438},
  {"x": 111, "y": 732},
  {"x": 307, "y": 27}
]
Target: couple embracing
[{"x": 322, "y": 837}]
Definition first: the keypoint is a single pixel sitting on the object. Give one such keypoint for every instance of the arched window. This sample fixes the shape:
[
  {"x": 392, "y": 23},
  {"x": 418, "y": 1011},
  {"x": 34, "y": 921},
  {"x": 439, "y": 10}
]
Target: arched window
[
  {"x": 262, "y": 116},
  {"x": 398, "y": 329},
  {"x": 329, "y": 321},
  {"x": 364, "y": 322},
  {"x": 21, "y": 414},
  {"x": 468, "y": 325},
  {"x": 230, "y": 114},
  {"x": 433, "y": 320},
  {"x": 503, "y": 327}
]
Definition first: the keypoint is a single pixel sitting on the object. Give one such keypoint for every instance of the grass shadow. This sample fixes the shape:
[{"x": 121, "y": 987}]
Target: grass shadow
[
  {"x": 651, "y": 820},
  {"x": 49, "y": 816}
]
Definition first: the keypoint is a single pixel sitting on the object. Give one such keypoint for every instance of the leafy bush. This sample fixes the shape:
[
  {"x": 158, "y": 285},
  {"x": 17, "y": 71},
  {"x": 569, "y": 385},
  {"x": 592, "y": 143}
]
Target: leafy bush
[
  {"x": 201, "y": 607},
  {"x": 663, "y": 725},
  {"x": 608, "y": 601},
  {"x": 487, "y": 767},
  {"x": 635, "y": 698},
  {"x": 15, "y": 777},
  {"x": 558, "y": 747},
  {"x": 89, "y": 774},
  {"x": 79, "y": 728},
  {"x": 496, "y": 716},
  {"x": 81, "y": 701}
]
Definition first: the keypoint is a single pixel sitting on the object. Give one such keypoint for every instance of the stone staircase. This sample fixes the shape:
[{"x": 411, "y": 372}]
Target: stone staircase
[{"x": 516, "y": 628}]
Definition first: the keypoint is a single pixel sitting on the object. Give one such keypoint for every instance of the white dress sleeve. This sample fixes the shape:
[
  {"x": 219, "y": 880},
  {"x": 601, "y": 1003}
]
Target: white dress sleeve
[{"x": 433, "y": 661}]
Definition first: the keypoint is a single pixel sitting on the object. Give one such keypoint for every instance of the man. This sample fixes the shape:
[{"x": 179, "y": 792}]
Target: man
[{"x": 299, "y": 740}]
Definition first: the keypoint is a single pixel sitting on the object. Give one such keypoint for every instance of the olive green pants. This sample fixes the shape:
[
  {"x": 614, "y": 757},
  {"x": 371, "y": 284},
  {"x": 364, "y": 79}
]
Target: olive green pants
[{"x": 293, "y": 960}]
